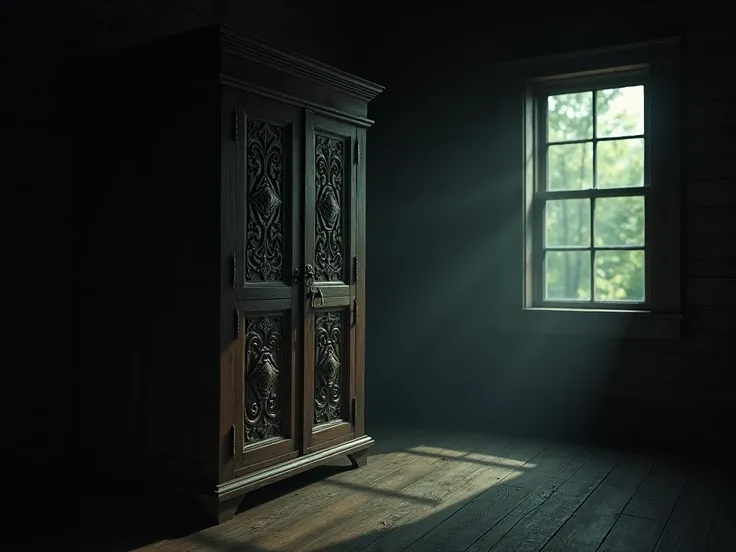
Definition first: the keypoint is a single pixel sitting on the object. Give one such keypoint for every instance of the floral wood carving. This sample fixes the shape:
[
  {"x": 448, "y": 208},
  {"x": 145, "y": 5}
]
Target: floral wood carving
[
  {"x": 328, "y": 380},
  {"x": 265, "y": 228},
  {"x": 263, "y": 361},
  {"x": 329, "y": 181}
]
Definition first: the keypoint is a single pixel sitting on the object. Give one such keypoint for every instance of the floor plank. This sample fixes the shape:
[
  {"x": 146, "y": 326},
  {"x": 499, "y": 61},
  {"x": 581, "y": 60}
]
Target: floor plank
[
  {"x": 639, "y": 527},
  {"x": 586, "y": 529},
  {"x": 537, "y": 527},
  {"x": 391, "y": 453},
  {"x": 499, "y": 461},
  {"x": 659, "y": 491},
  {"x": 723, "y": 531},
  {"x": 688, "y": 527},
  {"x": 462, "y": 492},
  {"x": 633, "y": 534},
  {"x": 426, "y": 490},
  {"x": 319, "y": 516},
  {"x": 462, "y": 529},
  {"x": 525, "y": 500}
]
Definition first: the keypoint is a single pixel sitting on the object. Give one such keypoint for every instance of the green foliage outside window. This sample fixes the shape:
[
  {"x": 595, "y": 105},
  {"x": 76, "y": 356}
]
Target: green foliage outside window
[{"x": 616, "y": 161}]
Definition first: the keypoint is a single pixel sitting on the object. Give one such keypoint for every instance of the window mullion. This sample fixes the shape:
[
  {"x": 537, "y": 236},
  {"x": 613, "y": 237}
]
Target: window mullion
[
  {"x": 600, "y": 193},
  {"x": 592, "y": 199}
]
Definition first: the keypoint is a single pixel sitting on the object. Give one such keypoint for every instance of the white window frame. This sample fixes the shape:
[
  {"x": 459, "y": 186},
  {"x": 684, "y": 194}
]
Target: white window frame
[{"x": 656, "y": 66}]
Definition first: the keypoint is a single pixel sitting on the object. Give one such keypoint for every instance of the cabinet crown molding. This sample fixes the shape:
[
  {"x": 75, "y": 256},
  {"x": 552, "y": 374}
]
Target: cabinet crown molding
[{"x": 301, "y": 66}]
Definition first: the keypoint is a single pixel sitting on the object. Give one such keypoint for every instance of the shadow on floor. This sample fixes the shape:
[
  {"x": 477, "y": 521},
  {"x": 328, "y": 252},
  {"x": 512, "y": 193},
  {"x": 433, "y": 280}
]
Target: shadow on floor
[{"x": 125, "y": 522}]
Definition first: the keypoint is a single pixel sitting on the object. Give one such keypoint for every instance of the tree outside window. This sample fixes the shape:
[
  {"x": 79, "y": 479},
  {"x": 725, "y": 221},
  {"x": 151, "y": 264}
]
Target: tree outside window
[{"x": 591, "y": 195}]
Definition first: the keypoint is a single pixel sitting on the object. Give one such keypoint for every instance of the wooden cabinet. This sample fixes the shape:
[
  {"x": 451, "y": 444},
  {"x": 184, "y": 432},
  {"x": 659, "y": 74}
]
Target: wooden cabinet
[{"x": 229, "y": 196}]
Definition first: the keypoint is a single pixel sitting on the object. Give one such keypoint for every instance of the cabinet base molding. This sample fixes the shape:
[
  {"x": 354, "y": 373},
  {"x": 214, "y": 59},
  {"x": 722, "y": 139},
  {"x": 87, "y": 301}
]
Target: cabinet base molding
[{"x": 222, "y": 505}]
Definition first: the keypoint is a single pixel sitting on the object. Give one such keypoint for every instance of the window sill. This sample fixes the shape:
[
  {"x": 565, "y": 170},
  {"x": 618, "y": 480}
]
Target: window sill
[{"x": 603, "y": 323}]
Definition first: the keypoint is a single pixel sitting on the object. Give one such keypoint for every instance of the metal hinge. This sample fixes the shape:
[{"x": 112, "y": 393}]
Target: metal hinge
[
  {"x": 234, "y": 442},
  {"x": 357, "y": 151},
  {"x": 355, "y": 269},
  {"x": 233, "y": 270},
  {"x": 355, "y": 311},
  {"x": 236, "y": 314},
  {"x": 235, "y": 125},
  {"x": 353, "y": 410}
]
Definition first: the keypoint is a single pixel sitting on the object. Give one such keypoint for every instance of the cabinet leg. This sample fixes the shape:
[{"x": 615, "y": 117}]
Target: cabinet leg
[
  {"x": 219, "y": 512},
  {"x": 227, "y": 509},
  {"x": 359, "y": 459}
]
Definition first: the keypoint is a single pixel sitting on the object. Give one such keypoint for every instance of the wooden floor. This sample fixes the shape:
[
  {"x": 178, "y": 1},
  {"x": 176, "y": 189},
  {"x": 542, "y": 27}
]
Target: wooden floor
[{"x": 472, "y": 493}]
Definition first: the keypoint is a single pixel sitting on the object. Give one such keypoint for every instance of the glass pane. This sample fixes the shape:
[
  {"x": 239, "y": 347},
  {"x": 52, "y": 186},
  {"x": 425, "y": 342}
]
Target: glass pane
[
  {"x": 567, "y": 223},
  {"x": 619, "y": 221},
  {"x": 619, "y": 275},
  {"x": 620, "y": 112},
  {"x": 570, "y": 167},
  {"x": 620, "y": 163},
  {"x": 567, "y": 276},
  {"x": 570, "y": 117}
]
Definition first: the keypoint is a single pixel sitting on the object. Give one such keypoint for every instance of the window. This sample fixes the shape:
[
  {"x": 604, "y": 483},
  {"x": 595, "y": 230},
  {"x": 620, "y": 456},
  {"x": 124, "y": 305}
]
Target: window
[
  {"x": 591, "y": 194},
  {"x": 602, "y": 183}
]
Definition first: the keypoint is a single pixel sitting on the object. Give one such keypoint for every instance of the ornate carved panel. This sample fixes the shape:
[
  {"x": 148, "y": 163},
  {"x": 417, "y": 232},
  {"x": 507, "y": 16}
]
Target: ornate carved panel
[
  {"x": 262, "y": 390},
  {"x": 328, "y": 362},
  {"x": 329, "y": 182},
  {"x": 264, "y": 247}
]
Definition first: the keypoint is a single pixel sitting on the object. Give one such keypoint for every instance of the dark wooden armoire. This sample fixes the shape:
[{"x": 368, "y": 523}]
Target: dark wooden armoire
[{"x": 222, "y": 251}]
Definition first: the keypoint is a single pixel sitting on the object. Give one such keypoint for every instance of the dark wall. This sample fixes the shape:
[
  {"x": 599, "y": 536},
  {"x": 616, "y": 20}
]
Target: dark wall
[{"x": 445, "y": 250}]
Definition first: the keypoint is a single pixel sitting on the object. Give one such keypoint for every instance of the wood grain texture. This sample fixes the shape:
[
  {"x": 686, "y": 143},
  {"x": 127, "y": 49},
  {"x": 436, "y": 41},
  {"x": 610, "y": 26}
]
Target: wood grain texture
[
  {"x": 723, "y": 531},
  {"x": 527, "y": 494},
  {"x": 537, "y": 527},
  {"x": 466, "y": 492},
  {"x": 689, "y": 526},
  {"x": 660, "y": 490},
  {"x": 589, "y": 525},
  {"x": 501, "y": 460}
]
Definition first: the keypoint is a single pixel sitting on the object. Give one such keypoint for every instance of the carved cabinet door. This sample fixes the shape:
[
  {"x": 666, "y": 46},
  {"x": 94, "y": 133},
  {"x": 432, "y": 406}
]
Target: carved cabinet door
[
  {"x": 329, "y": 290},
  {"x": 269, "y": 141}
]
